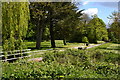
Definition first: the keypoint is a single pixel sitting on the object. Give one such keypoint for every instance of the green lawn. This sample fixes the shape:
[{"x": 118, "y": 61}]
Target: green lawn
[
  {"x": 59, "y": 45},
  {"x": 108, "y": 47}
]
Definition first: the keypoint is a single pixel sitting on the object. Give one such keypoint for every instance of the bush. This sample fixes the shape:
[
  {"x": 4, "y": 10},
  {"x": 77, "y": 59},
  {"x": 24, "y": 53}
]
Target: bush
[
  {"x": 85, "y": 40},
  {"x": 100, "y": 42},
  {"x": 67, "y": 64}
]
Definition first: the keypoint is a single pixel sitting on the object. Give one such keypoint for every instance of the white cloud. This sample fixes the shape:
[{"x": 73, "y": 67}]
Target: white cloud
[
  {"x": 91, "y": 11},
  {"x": 85, "y": 3}
]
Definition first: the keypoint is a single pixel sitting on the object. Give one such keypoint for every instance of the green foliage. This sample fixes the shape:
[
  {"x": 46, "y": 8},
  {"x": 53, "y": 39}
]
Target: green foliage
[
  {"x": 100, "y": 42},
  {"x": 96, "y": 30},
  {"x": 56, "y": 17},
  {"x": 30, "y": 36},
  {"x": 15, "y": 18},
  {"x": 67, "y": 64},
  {"x": 114, "y": 30},
  {"x": 64, "y": 28},
  {"x": 85, "y": 39},
  {"x": 46, "y": 34}
]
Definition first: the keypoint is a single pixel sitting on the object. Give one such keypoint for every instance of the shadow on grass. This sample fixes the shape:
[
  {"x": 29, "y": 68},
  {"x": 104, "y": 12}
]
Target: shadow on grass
[{"x": 45, "y": 48}]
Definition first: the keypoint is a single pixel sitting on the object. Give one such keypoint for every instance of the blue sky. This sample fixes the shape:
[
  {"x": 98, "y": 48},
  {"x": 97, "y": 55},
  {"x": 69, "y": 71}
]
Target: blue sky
[{"x": 102, "y": 9}]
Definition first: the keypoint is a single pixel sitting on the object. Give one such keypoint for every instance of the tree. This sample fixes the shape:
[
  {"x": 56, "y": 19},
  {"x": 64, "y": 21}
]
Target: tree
[
  {"x": 67, "y": 25},
  {"x": 15, "y": 18},
  {"x": 50, "y": 13},
  {"x": 55, "y": 15},
  {"x": 81, "y": 29},
  {"x": 38, "y": 18},
  {"x": 30, "y": 36},
  {"x": 58, "y": 12},
  {"x": 96, "y": 30},
  {"x": 114, "y": 30}
]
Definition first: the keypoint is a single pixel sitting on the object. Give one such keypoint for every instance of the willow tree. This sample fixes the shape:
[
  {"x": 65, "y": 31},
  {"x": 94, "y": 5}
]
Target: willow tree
[{"x": 15, "y": 16}]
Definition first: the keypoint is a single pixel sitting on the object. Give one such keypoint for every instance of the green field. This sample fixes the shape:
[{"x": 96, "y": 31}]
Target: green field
[
  {"x": 98, "y": 62},
  {"x": 59, "y": 45}
]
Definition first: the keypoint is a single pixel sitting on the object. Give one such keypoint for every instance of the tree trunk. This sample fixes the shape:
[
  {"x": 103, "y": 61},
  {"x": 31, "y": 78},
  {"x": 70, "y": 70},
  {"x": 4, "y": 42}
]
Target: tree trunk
[
  {"x": 64, "y": 42},
  {"x": 52, "y": 35},
  {"x": 39, "y": 36},
  {"x": 52, "y": 31}
]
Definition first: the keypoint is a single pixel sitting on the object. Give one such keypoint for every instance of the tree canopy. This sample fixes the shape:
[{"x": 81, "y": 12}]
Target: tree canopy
[
  {"x": 96, "y": 30},
  {"x": 15, "y": 18},
  {"x": 114, "y": 30}
]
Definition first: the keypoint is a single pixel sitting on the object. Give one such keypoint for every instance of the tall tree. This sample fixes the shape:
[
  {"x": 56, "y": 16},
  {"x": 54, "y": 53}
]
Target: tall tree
[
  {"x": 15, "y": 16},
  {"x": 38, "y": 18},
  {"x": 52, "y": 14},
  {"x": 67, "y": 25},
  {"x": 57, "y": 12},
  {"x": 96, "y": 30},
  {"x": 81, "y": 29},
  {"x": 114, "y": 30}
]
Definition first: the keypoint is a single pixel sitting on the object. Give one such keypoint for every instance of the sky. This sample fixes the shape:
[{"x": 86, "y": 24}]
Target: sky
[{"x": 102, "y": 9}]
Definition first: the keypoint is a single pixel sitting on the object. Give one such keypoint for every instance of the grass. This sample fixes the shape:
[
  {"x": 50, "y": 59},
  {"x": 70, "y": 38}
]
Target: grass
[
  {"x": 98, "y": 62},
  {"x": 108, "y": 47},
  {"x": 59, "y": 45},
  {"x": 0, "y": 48}
]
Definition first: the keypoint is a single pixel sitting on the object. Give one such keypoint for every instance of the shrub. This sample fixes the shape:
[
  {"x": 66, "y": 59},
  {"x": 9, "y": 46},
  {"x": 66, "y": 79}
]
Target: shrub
[
  {"x": 85, "y": 40},
  {"x": 67, "y": 64}
]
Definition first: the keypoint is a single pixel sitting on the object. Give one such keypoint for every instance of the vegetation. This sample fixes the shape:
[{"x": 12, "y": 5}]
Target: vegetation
[
  {"x": 55, "y": 29},
  {"x": 48, "y": 22},
  {"x": 114, "y": 30},
  {"x": 68, "y": 64},
  {"x": 96, "y": 30},
  {"x": 53, "y": 14},
  {"x": 85, "y": 40},
  {"x": 15, "y": 18},
  {"x": 59, "y": 45}
]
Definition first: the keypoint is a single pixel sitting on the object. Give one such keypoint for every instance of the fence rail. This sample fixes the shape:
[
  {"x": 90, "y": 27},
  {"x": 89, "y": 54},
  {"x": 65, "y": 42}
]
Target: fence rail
[{"x": 17, "y": 54}]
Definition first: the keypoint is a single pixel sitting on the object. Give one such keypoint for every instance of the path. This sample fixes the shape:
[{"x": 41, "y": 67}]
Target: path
[
  {"x": 43, "y": 51},
  {"x": 94, "y": 45}
]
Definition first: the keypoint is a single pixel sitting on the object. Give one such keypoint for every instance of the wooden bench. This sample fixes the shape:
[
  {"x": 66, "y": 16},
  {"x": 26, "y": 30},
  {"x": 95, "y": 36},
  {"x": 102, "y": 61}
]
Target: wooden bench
[{"x": 14, "y": 55}]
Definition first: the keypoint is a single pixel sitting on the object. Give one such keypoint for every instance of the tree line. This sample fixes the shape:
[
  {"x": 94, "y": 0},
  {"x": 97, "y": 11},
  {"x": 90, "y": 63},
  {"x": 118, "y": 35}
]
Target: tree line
[{"x": 40, "y": 21}]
